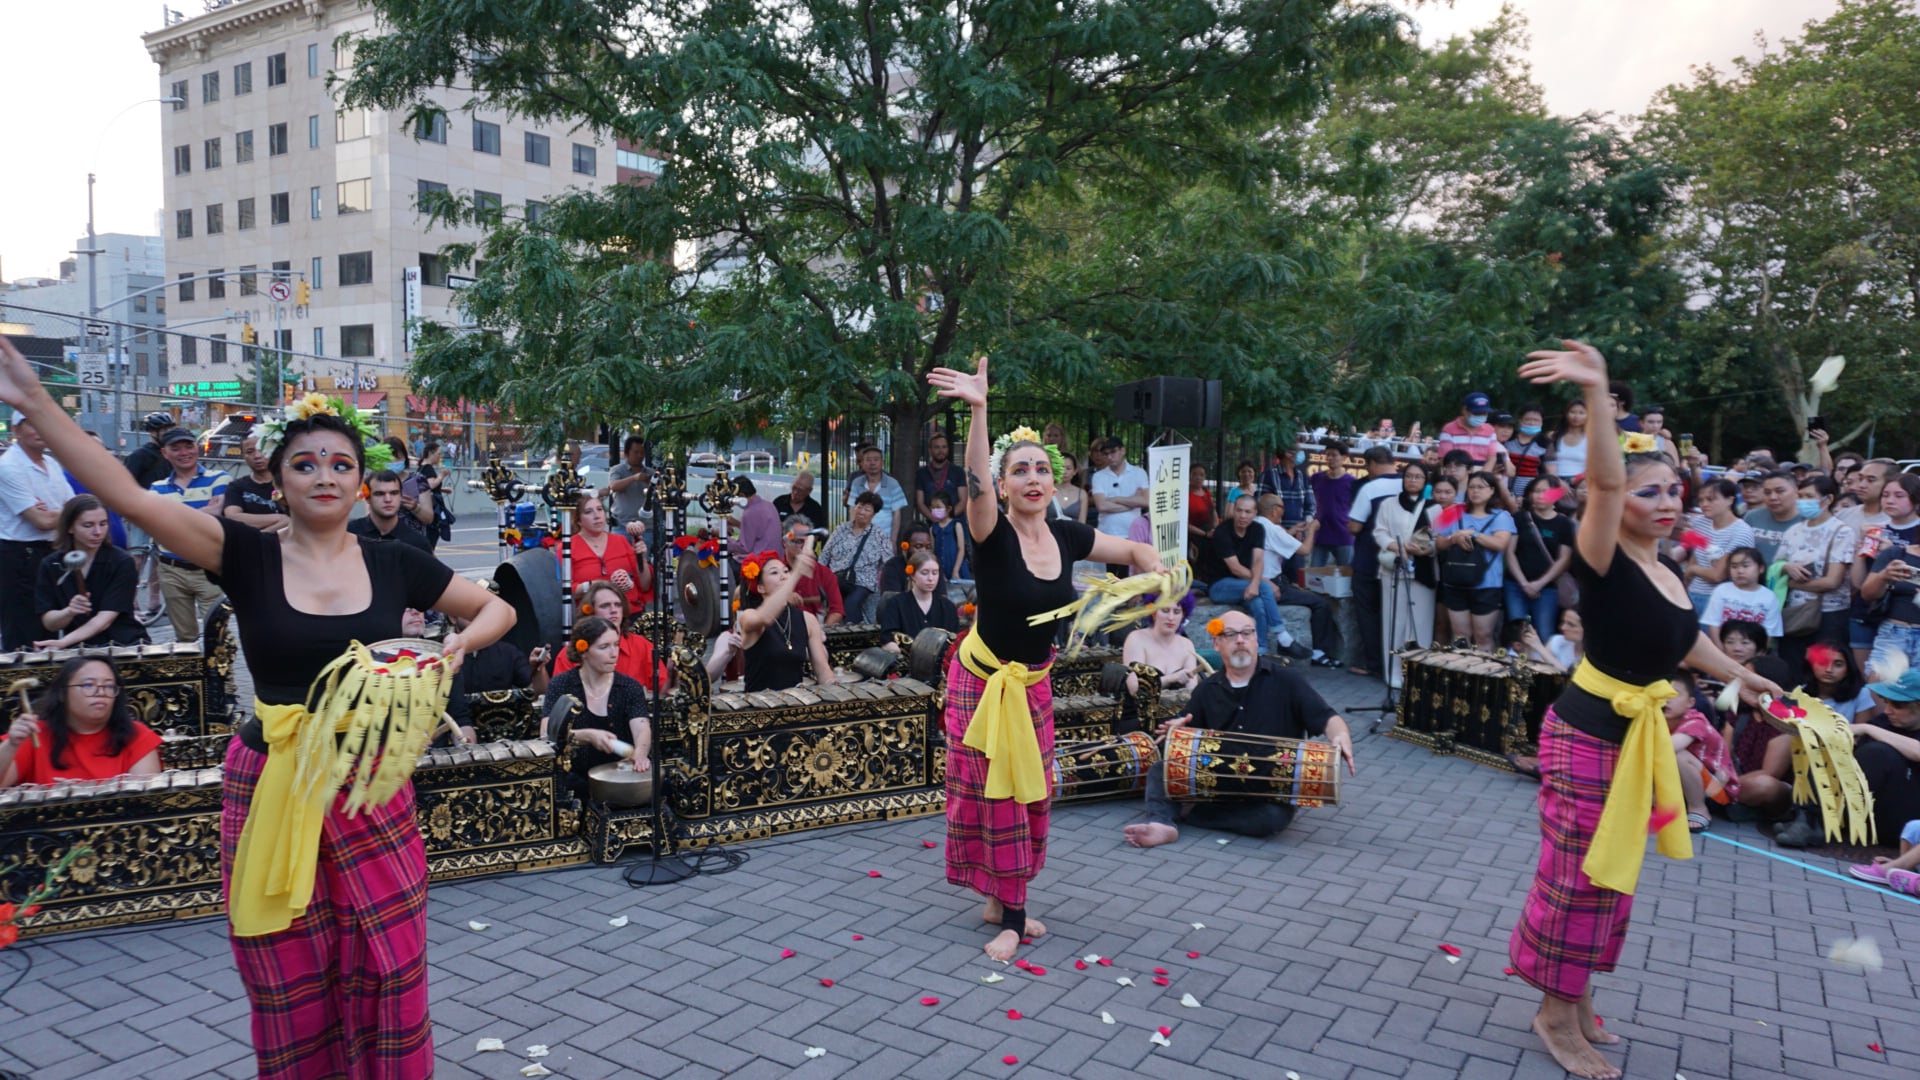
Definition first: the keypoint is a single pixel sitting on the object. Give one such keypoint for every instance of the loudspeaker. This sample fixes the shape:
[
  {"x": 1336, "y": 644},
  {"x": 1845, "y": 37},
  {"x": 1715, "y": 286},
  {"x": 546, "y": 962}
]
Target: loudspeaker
[{"x": 1166, "y": 401}]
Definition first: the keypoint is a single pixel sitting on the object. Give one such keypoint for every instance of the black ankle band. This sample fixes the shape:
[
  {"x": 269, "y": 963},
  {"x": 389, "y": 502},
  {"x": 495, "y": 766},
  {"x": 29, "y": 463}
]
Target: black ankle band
[{"x": 1014, "y": 919}]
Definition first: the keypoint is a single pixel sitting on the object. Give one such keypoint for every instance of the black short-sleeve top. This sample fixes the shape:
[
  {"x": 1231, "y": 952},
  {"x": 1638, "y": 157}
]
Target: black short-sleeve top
[
  {"x": 1634, "y": 633},
  {"x": 110, "y": 583},
  {"x": 1008, "y": 592},
  {"x": 286, "y": 649}
]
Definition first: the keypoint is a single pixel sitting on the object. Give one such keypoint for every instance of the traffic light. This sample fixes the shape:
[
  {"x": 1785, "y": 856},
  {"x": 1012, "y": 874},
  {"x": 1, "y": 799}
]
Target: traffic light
[
  {"x": 248, "y": 335},
  {"x": 301, "y": 290}
]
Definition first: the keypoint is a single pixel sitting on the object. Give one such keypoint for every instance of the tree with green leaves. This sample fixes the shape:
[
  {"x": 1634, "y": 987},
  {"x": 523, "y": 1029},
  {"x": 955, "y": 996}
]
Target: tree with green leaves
[{"x": 855, "y": 193}]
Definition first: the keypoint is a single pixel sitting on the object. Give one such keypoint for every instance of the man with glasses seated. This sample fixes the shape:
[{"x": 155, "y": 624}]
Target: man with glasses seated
[
  {"x": 819, "y": 592},
  {"x": 1253, "y": 694},
  {"x": 81, "y": 729}
]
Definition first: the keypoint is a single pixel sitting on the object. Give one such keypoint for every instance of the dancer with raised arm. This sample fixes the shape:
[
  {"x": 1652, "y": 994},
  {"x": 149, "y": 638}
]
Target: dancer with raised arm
[
  {"x": 328, "y": 909},
  {"x": 999, "y": 713},
  {"x": 1607, "y": 766}
]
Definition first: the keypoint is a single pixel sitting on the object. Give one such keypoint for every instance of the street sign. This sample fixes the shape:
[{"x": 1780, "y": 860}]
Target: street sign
[
  {"x": 90, "y": 370},
  {"x": 99, "y": 329},
  {"x": 459, "y": 281},
  {"x": 280, "y": 291}
]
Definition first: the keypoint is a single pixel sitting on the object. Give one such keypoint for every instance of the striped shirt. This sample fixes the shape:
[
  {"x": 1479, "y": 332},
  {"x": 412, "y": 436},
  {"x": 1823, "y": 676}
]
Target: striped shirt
[{"x": 207, "y": 487}]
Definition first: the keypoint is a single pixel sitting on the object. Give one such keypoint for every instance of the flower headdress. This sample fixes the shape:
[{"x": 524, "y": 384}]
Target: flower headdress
[
  {"x": 1026, "y": 434},
  {"x": 1639, "y": 442},
  {"x": 274, "y": 432},
  {"x": 752, "y": 566}
]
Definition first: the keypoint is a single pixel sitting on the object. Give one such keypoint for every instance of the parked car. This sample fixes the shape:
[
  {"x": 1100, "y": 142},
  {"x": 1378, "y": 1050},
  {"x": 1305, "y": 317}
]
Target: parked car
[{"x": 222, "y": 441}]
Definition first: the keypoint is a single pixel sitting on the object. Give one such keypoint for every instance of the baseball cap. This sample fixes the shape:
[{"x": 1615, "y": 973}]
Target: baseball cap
[
  {"x": 1904, "y": 688},
  {"x": 1113, "y": 443},
  {"x": 1477, "y": 402},
  {"x": 175, "y": 436},
  {"x": 18, "y": 418},
  {"x": 1503, "y": 418}
]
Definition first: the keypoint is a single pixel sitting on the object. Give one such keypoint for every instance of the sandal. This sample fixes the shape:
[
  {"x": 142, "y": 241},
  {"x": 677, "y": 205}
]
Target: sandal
[
  {"x": 1698, "y": 822},
  {"x": 1905, "y": 881},
  {"x": 1873, "y": 872}
]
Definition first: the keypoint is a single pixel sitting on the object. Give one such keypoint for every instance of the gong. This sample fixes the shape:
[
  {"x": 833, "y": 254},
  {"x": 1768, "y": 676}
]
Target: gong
[{"x": 698, "y": 590}]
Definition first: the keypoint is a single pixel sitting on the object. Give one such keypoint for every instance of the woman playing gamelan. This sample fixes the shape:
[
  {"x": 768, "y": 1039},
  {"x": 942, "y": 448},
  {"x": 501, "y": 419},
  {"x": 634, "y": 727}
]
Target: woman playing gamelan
[
  {"x": 92, "y": 603},
  {"x": 780, "y": 641},
  {"x": 999, "y": 712},
  {"x": 1607, "y": 762},
  {"x": 328, "y": 910}
]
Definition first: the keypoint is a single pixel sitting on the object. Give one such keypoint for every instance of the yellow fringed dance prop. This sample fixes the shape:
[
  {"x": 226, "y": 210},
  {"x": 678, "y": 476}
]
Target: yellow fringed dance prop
[
  {"x": 1824, "y": 770},
  {"x": 366, "y": 722},
  {"x": 1113, "y": 602}
]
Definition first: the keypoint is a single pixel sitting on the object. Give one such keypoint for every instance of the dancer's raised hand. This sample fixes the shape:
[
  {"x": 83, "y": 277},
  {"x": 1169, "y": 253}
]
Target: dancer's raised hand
[
  {"x": 971, "y": 389},
  {"x": 17, "y": 380},
  {"x": 1579, "y": 363}
]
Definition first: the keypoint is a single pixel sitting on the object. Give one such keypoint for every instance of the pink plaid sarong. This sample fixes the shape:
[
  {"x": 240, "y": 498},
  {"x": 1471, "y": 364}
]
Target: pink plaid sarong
[
  {"x": 1570, "y": 927},
  {"x": 994, "y": 846},
  {"x": 343, "y": 991}
]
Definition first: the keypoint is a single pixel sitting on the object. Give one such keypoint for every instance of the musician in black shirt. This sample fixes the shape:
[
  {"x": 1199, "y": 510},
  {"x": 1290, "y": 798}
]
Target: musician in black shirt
[{"x": 1255, "y": 695}]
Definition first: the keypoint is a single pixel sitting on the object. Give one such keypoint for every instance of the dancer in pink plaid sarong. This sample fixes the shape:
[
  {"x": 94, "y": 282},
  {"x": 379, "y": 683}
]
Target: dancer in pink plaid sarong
[{"x": 999, "y": 713}]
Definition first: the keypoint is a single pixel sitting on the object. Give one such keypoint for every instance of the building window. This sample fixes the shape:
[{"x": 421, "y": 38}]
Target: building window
[
  {"x": 433, "y": 269},
  {"x": 243, "y": 78},
  {"x": 140, "y": 304},
  {"x": 319, "y": 341},
  {"x": 356, "y": 340},
  {"x": 242, "y": 147},
  {"x": 313, "y": 132},
  {"x": 539, "y": 149},
  {"x": 212, "y": 150},
  {"x": 426, "y": 187},
  {"x": 186, "y": 280},
  {"x": 313, "y": 203},
  {"x": 182, "y": 160},
  {"x": 276, "y": 140},
  {"x": 243, "y": 214},
  {"x": 179, "y": 91},
  {"x": 349, "y": 124},
  {"x": 279, "y": 208},
  {"x": 535, "y": 211},
  {"x": 353, "y": 197},
  {"x": 628, "y": 159},
  {"x": 356, "y": 268},
  {"x": 216, "y": 219},
  {"x": 249, "y": 281},
  {"x": 431, "y": 128},
  {"x": 313, "y": 63},
  {"x": 217, "y": 349},
  {"x": 314, "y": 267},
  {"x": 486, "y": 203},
  {"x": 486, "y": 136},
  {"x": 586, "y": 160},
  {"x": 277, "y": 69},
  {"x": 216, "y": 285},
  {"x": 209, "y": 88},
  {"x": 189, "y": 348}
]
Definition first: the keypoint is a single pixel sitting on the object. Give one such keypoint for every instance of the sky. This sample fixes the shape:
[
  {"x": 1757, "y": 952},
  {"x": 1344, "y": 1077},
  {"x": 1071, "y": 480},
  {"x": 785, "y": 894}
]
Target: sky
[{"x": 73, "y": 76}]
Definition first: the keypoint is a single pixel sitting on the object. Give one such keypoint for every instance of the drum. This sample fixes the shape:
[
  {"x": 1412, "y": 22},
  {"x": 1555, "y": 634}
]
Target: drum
[
  {"x": 1103, "y": 768},
  {"x": 1204, "y": 765}
]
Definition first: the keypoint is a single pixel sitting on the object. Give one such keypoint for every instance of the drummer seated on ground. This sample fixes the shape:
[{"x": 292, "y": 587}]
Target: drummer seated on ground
[{"x": 1253, "y": 694}]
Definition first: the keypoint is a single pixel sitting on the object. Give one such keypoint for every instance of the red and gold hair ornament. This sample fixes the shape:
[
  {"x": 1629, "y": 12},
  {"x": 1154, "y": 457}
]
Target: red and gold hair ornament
[{"x": 754, "y": 565}]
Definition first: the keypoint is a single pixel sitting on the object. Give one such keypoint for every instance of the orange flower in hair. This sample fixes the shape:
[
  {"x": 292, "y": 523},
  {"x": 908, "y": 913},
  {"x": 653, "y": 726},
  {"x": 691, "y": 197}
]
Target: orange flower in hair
[
  {"x": 1216, "y": 626},
  {"x": 586, "y": 609},
  {"x": 750, "y": 571},
  {"x": 906, "y": 546},
  {"x": 582, "y": 644}
]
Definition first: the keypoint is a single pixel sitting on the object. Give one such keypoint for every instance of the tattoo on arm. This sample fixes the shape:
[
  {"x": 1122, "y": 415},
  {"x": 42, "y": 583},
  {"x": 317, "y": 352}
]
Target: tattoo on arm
[{"x": 975, "y": 488}]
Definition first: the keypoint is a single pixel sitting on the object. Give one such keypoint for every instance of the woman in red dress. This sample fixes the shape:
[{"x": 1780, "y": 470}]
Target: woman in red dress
[
  {"x": 605, "y": 600},
  {"x": 602, "y": 555},
  {"x": 82, "y": 729}
]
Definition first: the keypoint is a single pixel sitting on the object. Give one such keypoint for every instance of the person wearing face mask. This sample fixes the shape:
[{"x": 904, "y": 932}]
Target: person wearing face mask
[
  {"x": 1527, "y": 450},
  {"x": 949, "y": 550},
  {"x": 895, "y": 573},
  {"x": 1470, "y": 431},
  {"x": 1287, "y": 478},
  {"x": 1815, "y": 556}
]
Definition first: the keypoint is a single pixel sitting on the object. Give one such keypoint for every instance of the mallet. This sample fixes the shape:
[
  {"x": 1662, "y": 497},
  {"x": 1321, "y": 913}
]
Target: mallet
[
  {"x": 21, "y": 686},
  {"x": 72, "y": 562}
]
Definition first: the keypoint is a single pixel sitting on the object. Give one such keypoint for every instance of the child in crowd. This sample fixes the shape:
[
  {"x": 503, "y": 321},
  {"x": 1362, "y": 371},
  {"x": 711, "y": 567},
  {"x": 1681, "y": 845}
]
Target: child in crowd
[
  {"x": 1744, "y": 642},
  {"x": 1834, "y": 676},
  {"x": 1706, "y": 772},
  {"x": 1742, "y": 597},
  {"x": 949, "y": 549},
  {"x": 1899, "y": 873},
  {"x": 1762, "y": 754},
  {"x": 1570, "y": 644}
]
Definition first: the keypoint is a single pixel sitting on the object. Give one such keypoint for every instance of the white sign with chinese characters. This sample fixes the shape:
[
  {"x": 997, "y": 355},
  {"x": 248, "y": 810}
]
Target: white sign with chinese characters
[{"x": 1167, "y": 500}]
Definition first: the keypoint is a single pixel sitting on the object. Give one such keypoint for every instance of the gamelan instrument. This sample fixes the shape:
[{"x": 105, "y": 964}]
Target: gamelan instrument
[
  {"x": 1478, "y": 705},
  {"x": 1103, "y": 768},
  {"x": 1204, "y": 765}
]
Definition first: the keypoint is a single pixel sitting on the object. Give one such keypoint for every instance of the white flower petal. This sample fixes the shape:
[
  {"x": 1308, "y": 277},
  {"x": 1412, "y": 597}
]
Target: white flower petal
[
  {"x": 1189, "y": 1001},
  {"x": 538, "y": 1050},
  {"x": 1293, "y": 1075},
  {"x": 1223, "y": 841},
  {"x": 1199, "y": 926},
  {"x": 1106, "y": 1017},
  {"x": 476, "y": 924},
  {"x": 1124, "y": 981},
  {"x": 489, "y": 1044},
  {"x": 1856, "y": 954},
  {"x": 1159, "y": 1040},
  {"x": 816, "y": 1051},
  {"x": 993, "y": 978},
  {"x": 1091, "y": 958},
  {"x": 1453, "y": 959},
  {"x": 535, "y": 1069},
  {"x": 618, "y": 922}
]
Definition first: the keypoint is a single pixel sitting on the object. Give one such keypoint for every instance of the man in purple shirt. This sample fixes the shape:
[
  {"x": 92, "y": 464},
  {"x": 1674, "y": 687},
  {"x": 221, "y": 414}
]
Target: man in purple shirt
[
  {"x": 1333, "y": 500},
  {"x": 759, "y": 521}
]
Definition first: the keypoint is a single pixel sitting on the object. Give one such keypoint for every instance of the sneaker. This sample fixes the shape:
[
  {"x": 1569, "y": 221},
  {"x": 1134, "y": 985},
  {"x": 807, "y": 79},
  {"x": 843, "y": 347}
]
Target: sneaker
[
  {"x": 1905, "y": 881},
  {"x": 1323, "y": 660},
  {"x": 1873, "y": 872},
  {"x": 1296, "y": 650},
  {"x": 1799, "y": 833}
]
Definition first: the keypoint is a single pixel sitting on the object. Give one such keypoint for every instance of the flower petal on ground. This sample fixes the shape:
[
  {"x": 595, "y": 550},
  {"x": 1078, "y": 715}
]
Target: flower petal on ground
[
  {"x": 873, "y": 873},
  {"x": 1011, "y": 1060},
  {"x": 1079, "y": 965},
  {"x": 476, "y": 924},
  {"x": 1162, "y": 980},
  {"x": 1158, "y": 1039},
  {"x": 826, "y": 982},
  {"x": 787, "y": 954},
  {"x": 1450, "y": 950},
  {"x": 928, "y": 844},
  {"x": 1106, "y": 1017},
  {"x": 618, "y": 921},
  {"x": 929, "y": 1001},
  {"x": 1189, "y": 1001},
  {"x": 1193, "y": 955},
  {"x": 816, "y": 1051},
  {"x": 1013, "y": 1014},
  {"x": 538, "y": 1050},
  {"x": 1124, "y": 981},
  {"x": 993, "y": 978},
  {"x": 489, "y": 1044},
  {"x": 535, "y": 1069}
]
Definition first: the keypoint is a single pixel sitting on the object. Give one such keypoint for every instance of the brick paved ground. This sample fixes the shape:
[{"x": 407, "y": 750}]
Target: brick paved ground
[{"x": 1318, "y": 957}]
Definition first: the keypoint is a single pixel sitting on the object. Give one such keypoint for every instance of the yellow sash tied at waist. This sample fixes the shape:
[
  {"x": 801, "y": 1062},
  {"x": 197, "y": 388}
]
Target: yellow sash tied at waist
[
  {"x": 1646, "y": 778},
  {"x": 1002, "y": 726},
  {"x": 279, "y": 850}
]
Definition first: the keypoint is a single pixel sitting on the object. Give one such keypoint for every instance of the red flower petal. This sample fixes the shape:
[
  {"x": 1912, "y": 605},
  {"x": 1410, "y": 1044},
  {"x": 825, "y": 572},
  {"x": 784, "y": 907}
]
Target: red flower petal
[
  {"x": 929, "y": 1001},
  {"x": 1023, "y": 964},
  {"x": 1166, "y": 1032},
  {"x": 1079, "y": 965},
  {"x": 1509, "y": 971},
  {"x": 1036, "y": 969},
  {"x": 1193, "y": 956},
  {"x": 1104, "y": 962},
  {"x": 1011, "y": 1060},
  {"x": 1162, "y": 980},
  {"x": 1450, "y": 516},
  {"x": 873, "y": 873},
  {"x": 826, "y": 982},
  {"x": 1875, "y": 1047},
  {"x": 1599, "y": 1022},
  {"x": 1450, "y": 950},
  {"x": 928, "y": 844},
  {"x": 1692, "y": 540},
  {"x": 1661, "y": 818},
  {"x": 859, "y": 937},
  {"x": 1026, "y": 941},
  {"x": 1159, "y": 971},
  {"x": 1013, "y": 1014},
  {"x": 787, "y": 954}
]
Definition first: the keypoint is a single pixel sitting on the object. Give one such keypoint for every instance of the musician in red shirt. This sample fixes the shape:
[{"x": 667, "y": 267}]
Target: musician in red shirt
[{"x": 82, "y": 729}]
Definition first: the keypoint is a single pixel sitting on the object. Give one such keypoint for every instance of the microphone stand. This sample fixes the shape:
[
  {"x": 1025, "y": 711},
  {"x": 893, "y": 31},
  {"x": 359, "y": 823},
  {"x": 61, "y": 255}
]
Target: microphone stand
[{"x": 669, "y": 499}]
